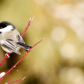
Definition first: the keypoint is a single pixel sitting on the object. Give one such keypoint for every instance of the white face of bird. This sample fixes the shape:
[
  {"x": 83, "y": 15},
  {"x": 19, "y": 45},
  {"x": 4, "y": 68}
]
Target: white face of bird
[
  {"x": 6, "y": 29},
  {"x": 6, "y": 26}
]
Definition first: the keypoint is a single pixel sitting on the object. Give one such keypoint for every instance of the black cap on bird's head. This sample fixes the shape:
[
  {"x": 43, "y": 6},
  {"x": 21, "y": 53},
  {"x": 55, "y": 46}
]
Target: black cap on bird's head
[{"x": 4, "y": 24}]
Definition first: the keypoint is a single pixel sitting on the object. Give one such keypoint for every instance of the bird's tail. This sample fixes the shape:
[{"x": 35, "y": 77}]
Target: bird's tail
[{"x": 25, "y": 46}]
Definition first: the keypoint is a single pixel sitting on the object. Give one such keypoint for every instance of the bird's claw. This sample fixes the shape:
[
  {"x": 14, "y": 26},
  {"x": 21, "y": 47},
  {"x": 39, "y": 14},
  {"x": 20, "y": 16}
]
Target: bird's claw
[{"x": 7, "y": 55}]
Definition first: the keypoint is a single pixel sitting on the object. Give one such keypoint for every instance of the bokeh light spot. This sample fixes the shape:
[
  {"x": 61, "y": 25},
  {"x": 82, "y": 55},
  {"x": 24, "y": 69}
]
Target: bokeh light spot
[
  {"x": 58, "y": 34},
  {"x": 67, "y": 50}
]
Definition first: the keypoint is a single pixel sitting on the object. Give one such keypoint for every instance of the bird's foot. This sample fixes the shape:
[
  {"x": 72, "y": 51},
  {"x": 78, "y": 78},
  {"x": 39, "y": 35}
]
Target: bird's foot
[{"x": 7, "y": 55}]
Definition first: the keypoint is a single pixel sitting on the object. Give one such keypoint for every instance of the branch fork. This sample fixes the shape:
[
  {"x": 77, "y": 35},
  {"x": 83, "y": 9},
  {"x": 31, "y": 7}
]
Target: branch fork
[{"x": 30, "y": 20}]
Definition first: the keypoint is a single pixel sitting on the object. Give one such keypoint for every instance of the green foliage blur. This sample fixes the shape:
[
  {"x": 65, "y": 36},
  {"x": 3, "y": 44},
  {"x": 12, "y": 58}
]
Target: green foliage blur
[{"x": 59, "y": 59}]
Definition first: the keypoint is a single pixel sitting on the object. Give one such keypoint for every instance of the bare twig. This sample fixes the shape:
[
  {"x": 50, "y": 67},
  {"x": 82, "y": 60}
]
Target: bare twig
[
  {"x": 30, "y": 20},
  {"x": 16, "y": 81},
  {"x": 3, "y": 60}
]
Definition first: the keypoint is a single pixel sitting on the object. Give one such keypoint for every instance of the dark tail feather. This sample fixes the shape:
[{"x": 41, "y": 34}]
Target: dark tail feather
[{"x": 26, "y": 47}]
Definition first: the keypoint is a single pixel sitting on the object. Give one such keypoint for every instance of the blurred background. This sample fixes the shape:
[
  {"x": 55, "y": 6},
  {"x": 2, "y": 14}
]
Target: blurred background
[{"x": 59, "y": 58}]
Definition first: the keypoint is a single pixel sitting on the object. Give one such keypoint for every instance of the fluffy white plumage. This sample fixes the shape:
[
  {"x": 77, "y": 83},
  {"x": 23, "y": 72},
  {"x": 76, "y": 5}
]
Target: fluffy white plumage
[{"x": 6, "y": 29}]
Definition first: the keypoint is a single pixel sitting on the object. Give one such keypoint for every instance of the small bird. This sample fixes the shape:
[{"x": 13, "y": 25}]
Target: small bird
[{"x": 10, "y": 39}]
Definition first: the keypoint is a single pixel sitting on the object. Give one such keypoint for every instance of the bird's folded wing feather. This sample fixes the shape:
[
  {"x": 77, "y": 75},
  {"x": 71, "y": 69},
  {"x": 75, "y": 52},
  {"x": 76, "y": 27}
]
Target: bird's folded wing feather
[
  {"x": 9, "y": 44},
  {"x": 20, "y": 39}
]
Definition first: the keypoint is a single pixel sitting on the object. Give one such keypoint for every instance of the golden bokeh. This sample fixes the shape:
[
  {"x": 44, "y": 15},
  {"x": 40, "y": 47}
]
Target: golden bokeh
[{"x": 59, "y": 58}]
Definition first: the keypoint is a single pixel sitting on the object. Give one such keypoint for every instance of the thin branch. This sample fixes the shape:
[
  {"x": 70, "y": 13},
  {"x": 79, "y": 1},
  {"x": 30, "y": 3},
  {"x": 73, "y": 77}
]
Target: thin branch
[
  {"x": 20, "y": 59},
  {"x": 30, "y": 20},
  {"x": 3, "y": 60},
  {"x": 16, "y": 81}
]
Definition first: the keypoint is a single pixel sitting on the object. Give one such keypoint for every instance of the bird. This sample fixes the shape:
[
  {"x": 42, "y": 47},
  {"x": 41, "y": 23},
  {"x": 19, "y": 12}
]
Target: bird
[{"x": 10, "y": 39}]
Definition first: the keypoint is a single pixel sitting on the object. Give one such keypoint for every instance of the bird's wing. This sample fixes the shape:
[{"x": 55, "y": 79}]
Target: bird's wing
[
  {"x": 20, "y": 39},
  {"x": 9, "y": 45},
  {"x": 22, "y": 44}
]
